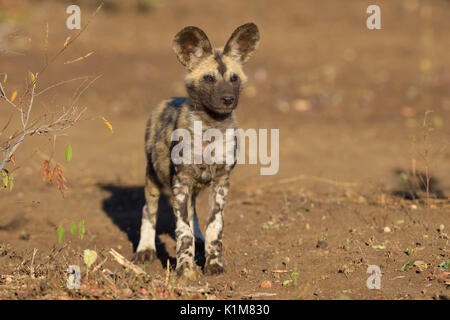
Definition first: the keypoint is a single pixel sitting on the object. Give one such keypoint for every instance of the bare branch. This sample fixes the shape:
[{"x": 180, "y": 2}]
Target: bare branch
[
  {"x": 60, "y": 84},
  {"x": 43, "y": 124}
]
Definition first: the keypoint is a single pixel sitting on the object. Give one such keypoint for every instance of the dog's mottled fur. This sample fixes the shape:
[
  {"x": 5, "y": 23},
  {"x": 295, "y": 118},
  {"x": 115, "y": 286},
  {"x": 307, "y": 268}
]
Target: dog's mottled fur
[{"x": 213, "y": 81}]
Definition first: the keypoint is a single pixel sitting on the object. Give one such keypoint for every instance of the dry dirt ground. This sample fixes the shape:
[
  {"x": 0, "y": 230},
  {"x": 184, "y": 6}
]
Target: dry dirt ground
[{"x": 350, "y": 105}]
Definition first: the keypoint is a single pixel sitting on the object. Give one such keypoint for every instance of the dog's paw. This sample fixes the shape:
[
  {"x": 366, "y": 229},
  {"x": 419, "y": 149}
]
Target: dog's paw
[
  {"x": 143, "y": 256},
  {"x": 213, "y": 269},
  {"x": 186, "y": 271}
]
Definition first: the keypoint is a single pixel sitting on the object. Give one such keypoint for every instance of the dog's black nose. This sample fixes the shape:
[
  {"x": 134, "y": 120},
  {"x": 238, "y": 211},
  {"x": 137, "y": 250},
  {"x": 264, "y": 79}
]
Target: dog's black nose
[{"x": 227, "y": 100}]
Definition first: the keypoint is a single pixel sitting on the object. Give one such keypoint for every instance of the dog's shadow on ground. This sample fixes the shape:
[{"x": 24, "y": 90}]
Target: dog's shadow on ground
[
  {"x": 412, "y": 186},
  {"x": 124, "y": 207}
]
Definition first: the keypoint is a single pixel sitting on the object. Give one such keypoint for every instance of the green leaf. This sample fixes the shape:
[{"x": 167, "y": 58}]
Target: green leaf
[
  {"x": 400, "y": 221},
  {"x": 73, "y": 228},
  {"x": 68, "y": 153},
  {"x": 268, "y": 225},
  {"x": 89, "y": 257},
  {"x": 11, "y": 181},
  {"x": 33, "y": 79},
  {"x": 403, "y": 176},
  {"x": 437, "y": 122},
  {"x": 445, "y": 264},
  {"x": 286, "y": 282},
  {"x": 409, "y": 251},
  {"x": 81, "y": 230},
  {"x": 4, "y": 179},
  {"x": 409, "y": 264},
  {"x": 347, "y": 291},
  {"x": 60, "y": 234}
]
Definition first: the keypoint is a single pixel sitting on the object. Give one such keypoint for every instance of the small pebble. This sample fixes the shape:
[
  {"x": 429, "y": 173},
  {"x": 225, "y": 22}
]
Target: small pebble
[{"x": 322, "y": 244}]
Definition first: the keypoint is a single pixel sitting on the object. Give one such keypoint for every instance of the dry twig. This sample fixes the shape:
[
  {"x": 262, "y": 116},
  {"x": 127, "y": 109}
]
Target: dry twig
[{"x": 126, "y": 263}]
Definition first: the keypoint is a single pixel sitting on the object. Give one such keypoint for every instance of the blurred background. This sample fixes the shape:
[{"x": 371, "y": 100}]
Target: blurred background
[{"x": 316, "y": 62}]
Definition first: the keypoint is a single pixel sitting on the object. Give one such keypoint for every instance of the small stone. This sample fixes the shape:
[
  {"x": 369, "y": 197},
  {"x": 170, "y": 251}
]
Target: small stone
[
  {"x": 282, "y": 105},
  {"x": 127, "y": 292},
  {"x": 302, "y": 105},
  {"x": 387, "y": 229},
  {"x": 244, "y": 272},
  {"x": 266, "y": 284},
  {"x": 24, "y": 235},
  {"x": 421, "y": 265},
  {"x": 322, "y": 244}
]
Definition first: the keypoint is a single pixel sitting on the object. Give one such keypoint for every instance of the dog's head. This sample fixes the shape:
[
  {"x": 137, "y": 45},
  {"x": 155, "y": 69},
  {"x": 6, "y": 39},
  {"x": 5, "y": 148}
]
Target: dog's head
[{"x": 215, "y": 76}]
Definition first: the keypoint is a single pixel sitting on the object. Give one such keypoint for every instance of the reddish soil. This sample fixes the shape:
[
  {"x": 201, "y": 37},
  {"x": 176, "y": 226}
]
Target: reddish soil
[{"x": 349, "y": 103}]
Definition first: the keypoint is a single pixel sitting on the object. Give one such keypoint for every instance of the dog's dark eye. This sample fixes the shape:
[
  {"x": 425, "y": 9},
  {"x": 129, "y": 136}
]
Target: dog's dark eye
[
  {"x": 209, "y": 78},
  {"x": 234, "y": 78}
]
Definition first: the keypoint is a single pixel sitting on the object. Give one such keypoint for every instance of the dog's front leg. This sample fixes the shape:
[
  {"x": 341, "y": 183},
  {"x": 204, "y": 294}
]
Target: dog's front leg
[
  {"x": 182, "y": 194},
  {"x": 214, "y": 227}
]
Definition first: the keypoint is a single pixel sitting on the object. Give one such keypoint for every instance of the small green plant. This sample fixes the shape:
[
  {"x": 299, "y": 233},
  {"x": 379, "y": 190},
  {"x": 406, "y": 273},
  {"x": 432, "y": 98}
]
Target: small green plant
[
  {"x": 423, "y": 181},
  {"x": 60, "y": 233},
  {"x": 427, "y": 129},
  {"x": 294, "y": 279},
  {"x": 73, "y": 228},
  {"x": 268, "y": 225},
  {"x": 346, "y": 245},
  {"x": 89, "y": 257},
  {"x": 7, "y": 179},
  {"x": 409, "y": 264},
  {"x": 294, "y": 276},
  {"x": 409, "y": 251},
  {"x": 68, "y": 153},
  {"x": 81, "y": 230}
]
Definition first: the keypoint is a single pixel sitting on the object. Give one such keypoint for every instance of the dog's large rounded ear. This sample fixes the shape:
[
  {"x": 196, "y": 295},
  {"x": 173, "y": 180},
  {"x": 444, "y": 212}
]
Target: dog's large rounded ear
[
  {"x": 243, "y": 42},
  {"x": 191, "y": 45}
]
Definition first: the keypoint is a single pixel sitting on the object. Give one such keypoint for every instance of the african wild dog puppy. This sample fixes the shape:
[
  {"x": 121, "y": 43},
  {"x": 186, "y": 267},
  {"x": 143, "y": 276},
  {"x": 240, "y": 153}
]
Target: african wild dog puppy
[{"x": 214, "y": 80}]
